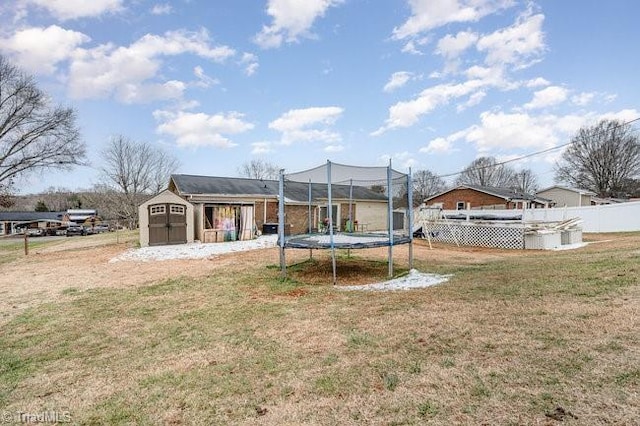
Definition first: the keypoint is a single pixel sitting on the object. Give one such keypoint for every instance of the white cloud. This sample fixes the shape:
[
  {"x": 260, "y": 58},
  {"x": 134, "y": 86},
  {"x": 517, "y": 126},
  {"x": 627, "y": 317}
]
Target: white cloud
[
  {"x": 203, "y": 79},
  {"x": 408, "y": 113},
  {"x": 537, "y": 82},
  {"x": 74, "y": 9},
  {"x": 429, "y": 14},
  {"x": 438, "y": 146},
  {"x": 39, "y": 50},
  {"x": 397, "y": 80},
  {"x": 503, "y": 131},
  {"x": 413, "y": 46},
  {"x": 452, "y": 46},
  {"x": 515, "y": 44},
  {"x": 309, "y": 124},
  {"x": 108, "y": 70},
  {"x": 549, "y": 96},
  {"x": 261, "y": 148},
  {"x": 144, "y": 93},
  {"x": 623, "y": 115},
  {"x": 400, "y": 160},
  {"x": 291, "y": 20},
  {"x": 473, "y": 100},
  {"x": 250, "y": 62},
  {"x": 583, "y": 99},
  {"x": 161, "y": 9},
  {"x": 333, "y": 148},
  {"x": 200, "y": 129}
]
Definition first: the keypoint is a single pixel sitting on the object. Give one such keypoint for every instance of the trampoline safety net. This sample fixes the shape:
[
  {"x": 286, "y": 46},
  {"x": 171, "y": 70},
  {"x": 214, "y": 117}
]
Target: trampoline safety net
[{"x": 335, "y": 206}]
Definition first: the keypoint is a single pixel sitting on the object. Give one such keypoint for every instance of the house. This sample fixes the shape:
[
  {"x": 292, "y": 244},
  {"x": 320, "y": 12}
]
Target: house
[
  {"x": 85, "y": 217},
  {"x": 483, "y": 197},
  {"x": 14, "y": 222},
  {"x": 229, "y": 209},
  {"x": 563, "y": 196}
]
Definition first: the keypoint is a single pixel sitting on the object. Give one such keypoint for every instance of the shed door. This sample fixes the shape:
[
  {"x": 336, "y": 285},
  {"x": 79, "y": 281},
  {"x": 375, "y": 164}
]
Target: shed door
[{"x": 167, "y": 224}]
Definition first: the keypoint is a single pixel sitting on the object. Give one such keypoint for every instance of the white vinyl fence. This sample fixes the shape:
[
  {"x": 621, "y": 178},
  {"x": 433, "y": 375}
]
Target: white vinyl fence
[{"x": 623, "y": 217}]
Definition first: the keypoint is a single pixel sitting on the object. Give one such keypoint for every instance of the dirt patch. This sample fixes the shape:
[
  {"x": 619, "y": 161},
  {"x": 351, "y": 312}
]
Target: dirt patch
[{"x": 53, "y": 272}]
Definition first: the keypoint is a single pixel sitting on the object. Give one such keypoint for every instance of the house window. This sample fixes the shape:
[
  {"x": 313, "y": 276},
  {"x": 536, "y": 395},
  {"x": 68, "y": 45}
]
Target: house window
[
  {"x": 176, "y": 209},
  {"x": 158, "y": 210},
  {"x": 460, "y": 205}
]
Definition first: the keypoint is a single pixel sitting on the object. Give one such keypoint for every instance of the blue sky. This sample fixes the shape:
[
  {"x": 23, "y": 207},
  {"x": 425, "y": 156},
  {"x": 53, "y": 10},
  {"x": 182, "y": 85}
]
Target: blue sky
[{"x": 429, "y": 84}]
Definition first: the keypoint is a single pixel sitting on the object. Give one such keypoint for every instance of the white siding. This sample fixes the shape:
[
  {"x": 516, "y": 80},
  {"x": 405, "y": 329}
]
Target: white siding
[{"x": 373, "y": 215}]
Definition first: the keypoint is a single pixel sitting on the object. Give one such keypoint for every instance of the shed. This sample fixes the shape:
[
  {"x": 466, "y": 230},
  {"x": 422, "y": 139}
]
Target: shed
[{"x": 165, "y": 219}]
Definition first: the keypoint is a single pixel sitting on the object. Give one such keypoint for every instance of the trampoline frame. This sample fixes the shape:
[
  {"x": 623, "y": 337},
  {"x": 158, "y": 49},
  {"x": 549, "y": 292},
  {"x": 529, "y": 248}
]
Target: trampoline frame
[{"x": 388, "y": 239}]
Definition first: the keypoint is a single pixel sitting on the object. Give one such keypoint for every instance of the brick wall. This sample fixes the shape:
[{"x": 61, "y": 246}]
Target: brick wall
[{"x": 475, "y": 198}]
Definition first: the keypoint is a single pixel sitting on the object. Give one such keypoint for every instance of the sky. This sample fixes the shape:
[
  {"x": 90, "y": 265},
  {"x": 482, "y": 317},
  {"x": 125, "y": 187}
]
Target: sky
[{"x": 426, "y": 84}]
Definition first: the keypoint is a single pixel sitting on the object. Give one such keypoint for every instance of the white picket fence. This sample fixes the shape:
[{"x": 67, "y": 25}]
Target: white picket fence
[{"x": 623, "y": 217}]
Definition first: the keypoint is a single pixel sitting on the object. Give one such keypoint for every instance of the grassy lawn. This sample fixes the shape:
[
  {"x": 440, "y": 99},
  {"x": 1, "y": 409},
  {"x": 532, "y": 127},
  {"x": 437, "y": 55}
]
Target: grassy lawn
[{"x": 514, "y": 340}]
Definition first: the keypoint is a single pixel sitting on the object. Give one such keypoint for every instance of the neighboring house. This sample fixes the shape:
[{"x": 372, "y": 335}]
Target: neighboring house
[
  {"x": 86, "y": 217},
  {"x": 483, "y": 197},
  {"x": 563, "y": 196},
  {"x": 227, "y": 208},
  {"x": 14, "y": 222}
]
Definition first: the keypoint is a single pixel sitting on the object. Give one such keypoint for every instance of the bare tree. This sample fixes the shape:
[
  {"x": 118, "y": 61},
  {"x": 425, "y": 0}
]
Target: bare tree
[
  {"x": 426, "y": 184},
  {"x": 6, "y": 199},
  {"x": 603, "y": 158},
  {"x": 259, "y": 169},
  {"x": 525, "y": 181},
  {"x": 131, "y": 171},
  {"x": 34, "y": 136},
  {"x": 485, "y": 171}
]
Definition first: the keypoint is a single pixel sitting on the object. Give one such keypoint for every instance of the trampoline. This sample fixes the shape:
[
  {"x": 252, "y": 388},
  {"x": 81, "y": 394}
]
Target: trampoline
[
  {"x": 343, "y": 241},
  {"x": 338, "y": 197}
]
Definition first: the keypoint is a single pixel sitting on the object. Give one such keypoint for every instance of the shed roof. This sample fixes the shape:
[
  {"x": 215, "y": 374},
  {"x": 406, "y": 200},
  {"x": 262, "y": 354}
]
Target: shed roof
[{"x": 264, "y": 188}]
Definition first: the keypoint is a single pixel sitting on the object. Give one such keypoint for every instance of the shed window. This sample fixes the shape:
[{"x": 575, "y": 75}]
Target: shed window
[
  {"x": 176, "y": 209},
  {"x": 460, "y": 205},
  {"x": 158, "y": 209}
]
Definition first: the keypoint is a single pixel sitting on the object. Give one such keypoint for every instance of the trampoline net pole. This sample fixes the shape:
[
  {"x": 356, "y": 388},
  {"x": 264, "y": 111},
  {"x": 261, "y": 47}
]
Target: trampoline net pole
[
  {"x": 410, "y": 218},
  {"x": 330, "y": 213},
  {"x": 390, "y": 222},
  {"x": 283, "y": 263}
]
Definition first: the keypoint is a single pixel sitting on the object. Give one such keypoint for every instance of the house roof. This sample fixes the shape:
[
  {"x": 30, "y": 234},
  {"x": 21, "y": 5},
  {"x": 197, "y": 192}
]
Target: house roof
[
  {"x": 293, "y": 191},
  {"x": 566, "y": 188},
  {"x": 504, "y": 193},
  {"x": 19, "y": 216}
]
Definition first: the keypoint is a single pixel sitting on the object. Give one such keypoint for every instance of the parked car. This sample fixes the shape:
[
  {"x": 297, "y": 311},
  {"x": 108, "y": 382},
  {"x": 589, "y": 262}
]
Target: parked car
[
  {"x": 36, "y": 232},
  {"x": 103, "y": 227},
  {"x": 76, "y": 229}
]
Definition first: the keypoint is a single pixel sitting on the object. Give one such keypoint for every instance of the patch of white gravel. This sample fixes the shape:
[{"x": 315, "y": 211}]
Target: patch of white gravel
[
  {"x": 413, "y": 280},
  {"x": 194, "y": 250},
  {"x": 570, "y": 246}
]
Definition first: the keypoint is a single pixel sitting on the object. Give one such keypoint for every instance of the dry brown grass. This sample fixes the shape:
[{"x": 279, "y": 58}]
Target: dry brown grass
[{"x": 514, "y": 338}]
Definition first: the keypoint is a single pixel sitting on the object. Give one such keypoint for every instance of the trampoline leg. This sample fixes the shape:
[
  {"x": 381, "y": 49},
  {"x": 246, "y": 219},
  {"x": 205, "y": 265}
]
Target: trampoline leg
[
  {"x": 410, "y": 255},
  {"x": 283, "y": 263},
  {"x": 333, "y": 264}
]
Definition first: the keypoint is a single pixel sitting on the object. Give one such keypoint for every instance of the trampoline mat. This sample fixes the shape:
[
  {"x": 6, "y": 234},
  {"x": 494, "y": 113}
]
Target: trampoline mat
[{"x": 343, "y": 240}]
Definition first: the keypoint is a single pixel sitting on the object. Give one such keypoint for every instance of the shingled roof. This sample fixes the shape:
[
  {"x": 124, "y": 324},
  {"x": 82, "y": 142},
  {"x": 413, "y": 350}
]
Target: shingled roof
[
  {"x": 294, "y": 191},
  {"x": 504, "y": 193},
  {"x": 21, "y": 216}
]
